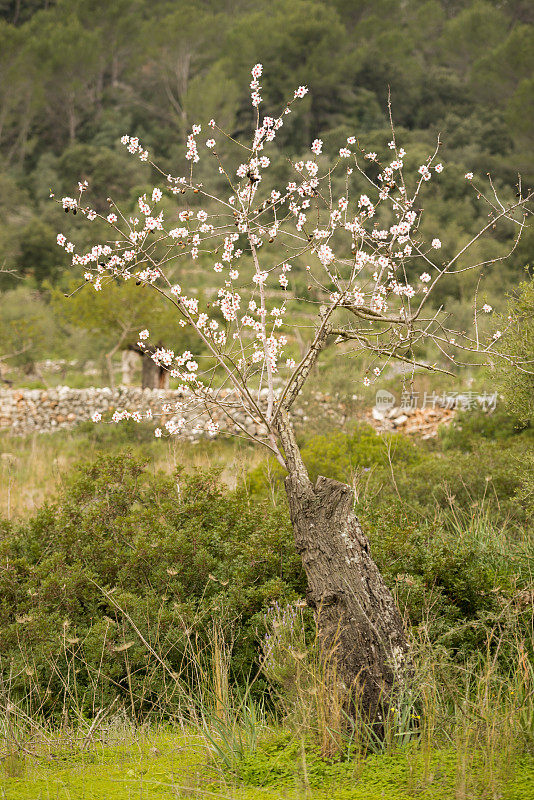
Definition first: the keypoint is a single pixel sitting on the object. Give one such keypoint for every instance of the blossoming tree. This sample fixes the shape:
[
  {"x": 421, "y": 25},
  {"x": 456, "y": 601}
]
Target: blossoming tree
[{"x": 359, "y": 251}]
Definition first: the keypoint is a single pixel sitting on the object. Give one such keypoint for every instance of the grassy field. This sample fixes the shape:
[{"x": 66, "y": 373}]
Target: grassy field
[{"x": 32, "y": 467}]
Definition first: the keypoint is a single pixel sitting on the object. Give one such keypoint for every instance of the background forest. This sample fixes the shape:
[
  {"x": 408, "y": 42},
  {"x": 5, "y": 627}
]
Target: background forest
[{"x": 76, "y": 76}]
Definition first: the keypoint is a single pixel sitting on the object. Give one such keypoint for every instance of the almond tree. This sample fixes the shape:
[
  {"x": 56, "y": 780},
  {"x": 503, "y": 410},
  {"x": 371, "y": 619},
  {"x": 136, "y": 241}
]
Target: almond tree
[{"x": 359, "y": 251}]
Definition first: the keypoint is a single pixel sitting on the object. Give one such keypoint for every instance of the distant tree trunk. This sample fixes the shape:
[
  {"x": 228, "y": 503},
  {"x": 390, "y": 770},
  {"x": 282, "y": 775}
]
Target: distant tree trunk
[
  {"x": 152, "y": 375},
  {"x": 355, "y": 612},
  {"x": 129, "y": 360},
  {"x": 149, "y": 373}
]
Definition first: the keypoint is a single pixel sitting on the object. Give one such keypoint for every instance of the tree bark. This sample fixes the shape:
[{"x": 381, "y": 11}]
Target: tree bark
[
  {"x": 356, "y": 616},
  {"x": 149, "y": 373},
  {"x": 152, "y": 375}
]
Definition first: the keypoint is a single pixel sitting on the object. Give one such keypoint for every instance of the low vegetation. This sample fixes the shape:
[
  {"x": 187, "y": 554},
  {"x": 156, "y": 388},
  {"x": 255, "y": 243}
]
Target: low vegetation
[{"x": 155, "y": 639}]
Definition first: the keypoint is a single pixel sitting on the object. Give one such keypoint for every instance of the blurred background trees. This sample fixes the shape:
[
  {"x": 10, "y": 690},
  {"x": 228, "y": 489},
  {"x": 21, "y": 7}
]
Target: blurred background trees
[{"x": 75, "y": 77}]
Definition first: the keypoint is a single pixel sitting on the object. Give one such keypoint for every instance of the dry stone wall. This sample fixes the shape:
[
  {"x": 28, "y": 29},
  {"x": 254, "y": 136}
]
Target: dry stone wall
[{"x": 24, "y": 411}]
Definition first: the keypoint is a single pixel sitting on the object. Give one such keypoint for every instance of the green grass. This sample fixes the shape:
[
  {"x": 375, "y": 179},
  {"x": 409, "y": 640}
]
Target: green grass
[{"x": 150, "y": 765}]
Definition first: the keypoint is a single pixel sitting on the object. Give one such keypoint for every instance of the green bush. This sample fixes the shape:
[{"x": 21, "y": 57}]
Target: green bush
[
  {"x": 458, "y": 575},
  {"x": 122, "y": 547},
  {"x": 471, "y": 428},
  {"x": 107, "y": 590},
  {"x": 515, "y": 374},
  {"x": 480, "y": 459},
  {"x": 339, "y": 454}
]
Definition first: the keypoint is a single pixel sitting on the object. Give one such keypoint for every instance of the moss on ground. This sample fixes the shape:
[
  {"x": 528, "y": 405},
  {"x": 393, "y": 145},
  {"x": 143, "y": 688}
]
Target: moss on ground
[{"x": 164, "y": 765}]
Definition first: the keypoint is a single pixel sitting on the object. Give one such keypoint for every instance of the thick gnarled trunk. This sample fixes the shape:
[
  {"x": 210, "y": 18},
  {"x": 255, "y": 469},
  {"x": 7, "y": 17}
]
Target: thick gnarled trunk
[{"x": 355, "y": 612}]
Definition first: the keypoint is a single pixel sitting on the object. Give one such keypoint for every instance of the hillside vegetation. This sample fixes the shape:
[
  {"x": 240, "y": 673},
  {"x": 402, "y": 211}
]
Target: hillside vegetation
[{"x": 75, "y": 77}]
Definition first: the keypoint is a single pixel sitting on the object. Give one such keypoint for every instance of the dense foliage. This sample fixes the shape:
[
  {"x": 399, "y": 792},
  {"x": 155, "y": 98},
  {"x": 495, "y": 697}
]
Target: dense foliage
[
  {"x": 168, "y": 552},
  {"x": 518, "y": 385},
  {"x": 125, "y": 555}
]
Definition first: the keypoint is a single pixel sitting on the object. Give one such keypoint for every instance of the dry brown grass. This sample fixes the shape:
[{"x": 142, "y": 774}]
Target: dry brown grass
[{"x": 32, "y": 468}]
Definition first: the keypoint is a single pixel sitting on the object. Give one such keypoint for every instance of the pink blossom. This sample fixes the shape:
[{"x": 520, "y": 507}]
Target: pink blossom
[{"x": 424, "y": 172}]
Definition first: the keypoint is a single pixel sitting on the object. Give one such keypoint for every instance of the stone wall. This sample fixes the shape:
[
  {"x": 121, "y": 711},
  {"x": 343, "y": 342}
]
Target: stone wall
[{"x": 24, "y": 411}]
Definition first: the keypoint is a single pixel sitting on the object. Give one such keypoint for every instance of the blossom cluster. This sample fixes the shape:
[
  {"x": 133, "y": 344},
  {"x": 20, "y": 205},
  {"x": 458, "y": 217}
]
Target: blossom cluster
[{"x": 360, "y": 251}]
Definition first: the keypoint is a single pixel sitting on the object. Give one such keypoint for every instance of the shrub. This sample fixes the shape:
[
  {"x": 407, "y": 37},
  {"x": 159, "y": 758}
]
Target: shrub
[
  {"x": 471, "y": 428},
  {"x": 113, "y": 588},
  {"x": 518, "y": 384},
  {"x": 339, "y": 454},
  {"x": 123, "y": 548}
]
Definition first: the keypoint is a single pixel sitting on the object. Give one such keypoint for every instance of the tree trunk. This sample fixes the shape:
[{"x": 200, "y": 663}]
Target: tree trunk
[
  {"x": 149, "y": 372},
  {"x": 163, "y": 378},
  {"x": 129, "y": 361},
  {"x": 355, "y": 612},
  {"x": 152, "y": 375}
]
